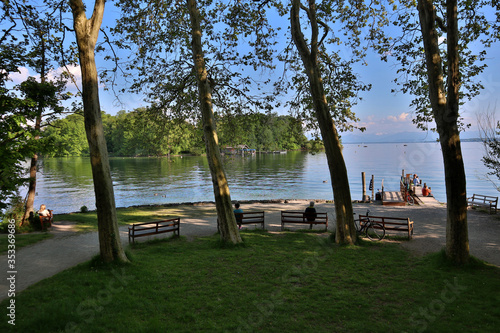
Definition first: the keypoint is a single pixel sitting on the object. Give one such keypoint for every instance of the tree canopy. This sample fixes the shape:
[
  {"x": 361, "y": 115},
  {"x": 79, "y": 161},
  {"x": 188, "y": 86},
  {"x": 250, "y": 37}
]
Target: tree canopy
[
  {"x": 401, "y": 42},
  {"x": 25, "y": 108}
]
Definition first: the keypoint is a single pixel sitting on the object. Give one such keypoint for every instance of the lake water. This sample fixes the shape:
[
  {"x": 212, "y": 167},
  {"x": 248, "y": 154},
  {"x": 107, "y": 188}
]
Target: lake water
[{"x": 65, "y": 184}]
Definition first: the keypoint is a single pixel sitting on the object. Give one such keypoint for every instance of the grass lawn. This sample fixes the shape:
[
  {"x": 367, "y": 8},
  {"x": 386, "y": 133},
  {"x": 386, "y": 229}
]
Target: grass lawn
[
  {"x": 285, "y": 282},
  {"x": 23, "y": 240},
  {"x": 125, "y": 216}
]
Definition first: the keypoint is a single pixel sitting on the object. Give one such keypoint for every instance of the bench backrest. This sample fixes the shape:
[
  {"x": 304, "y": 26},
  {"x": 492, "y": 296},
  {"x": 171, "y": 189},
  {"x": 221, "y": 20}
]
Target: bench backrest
[
  {"x": 484, "y": 198},
  {"x": 386, "y": 219},
  {"x": 250, "y": 215},
  {"x": 154, "y": 224},
  {"x": 303, "y": 215}
]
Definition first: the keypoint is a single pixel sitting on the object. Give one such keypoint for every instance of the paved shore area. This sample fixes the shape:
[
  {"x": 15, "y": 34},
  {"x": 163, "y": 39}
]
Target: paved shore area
[{"x": 68, "y": 248}]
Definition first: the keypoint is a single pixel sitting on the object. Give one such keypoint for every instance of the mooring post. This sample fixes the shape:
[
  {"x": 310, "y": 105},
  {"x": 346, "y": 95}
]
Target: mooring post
[
  {"x": 363, "y": 181},
  {"x": 372, "y": 183}
]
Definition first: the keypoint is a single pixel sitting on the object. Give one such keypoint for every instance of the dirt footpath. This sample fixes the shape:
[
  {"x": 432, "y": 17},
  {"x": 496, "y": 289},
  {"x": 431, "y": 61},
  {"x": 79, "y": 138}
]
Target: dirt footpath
[{"x": 67, "y": 248}]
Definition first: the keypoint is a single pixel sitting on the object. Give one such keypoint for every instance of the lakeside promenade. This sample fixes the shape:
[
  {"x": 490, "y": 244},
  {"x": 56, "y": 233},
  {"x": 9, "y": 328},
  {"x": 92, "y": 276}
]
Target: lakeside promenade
[{"x": 68, "y": 248}]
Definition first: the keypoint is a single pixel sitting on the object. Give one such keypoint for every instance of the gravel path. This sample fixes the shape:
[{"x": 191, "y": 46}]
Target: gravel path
[{"x": 67, "y": 248}]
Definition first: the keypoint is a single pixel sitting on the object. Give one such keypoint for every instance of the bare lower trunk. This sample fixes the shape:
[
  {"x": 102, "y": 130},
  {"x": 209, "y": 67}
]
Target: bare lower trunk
[
  {"x": 86, "y": 32},
  {"x": 346, "y": 231},
  {"x": 227, "y": 221},
  {"x": 30, "y": 199},
  {"x": 457, "y": 237},
  {"x": 445, "y": 107}
]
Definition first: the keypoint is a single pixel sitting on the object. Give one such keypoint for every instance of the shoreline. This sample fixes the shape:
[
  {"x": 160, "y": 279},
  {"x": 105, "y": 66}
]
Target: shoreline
[
  {"x": 248, "y": 202},
  {"x": 208, "y": 203}
]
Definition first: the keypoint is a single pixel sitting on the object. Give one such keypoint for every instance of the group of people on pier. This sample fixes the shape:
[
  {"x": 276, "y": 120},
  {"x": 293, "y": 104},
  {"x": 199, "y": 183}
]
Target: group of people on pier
[{"x": 426, "y": 191}]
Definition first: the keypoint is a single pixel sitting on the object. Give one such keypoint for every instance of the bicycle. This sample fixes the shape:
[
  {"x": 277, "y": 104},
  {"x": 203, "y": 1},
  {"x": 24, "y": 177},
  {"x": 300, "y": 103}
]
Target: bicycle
[{"x": 372, "y": 230}]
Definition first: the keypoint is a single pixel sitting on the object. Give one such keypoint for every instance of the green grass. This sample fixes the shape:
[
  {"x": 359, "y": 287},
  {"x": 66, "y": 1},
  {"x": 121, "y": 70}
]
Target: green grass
[
  {"x": 125, "y": 216},
  {"x": 22, "y": 240},
  {"x": 287, "y": 282}
]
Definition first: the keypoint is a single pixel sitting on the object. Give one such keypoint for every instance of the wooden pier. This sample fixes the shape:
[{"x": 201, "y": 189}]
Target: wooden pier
[
  {"x": 426, "y": 201},
  {"x": 408, "y": 194},
  {"x": 393, "y": 199},
  {"x": 415, "y": 194}
]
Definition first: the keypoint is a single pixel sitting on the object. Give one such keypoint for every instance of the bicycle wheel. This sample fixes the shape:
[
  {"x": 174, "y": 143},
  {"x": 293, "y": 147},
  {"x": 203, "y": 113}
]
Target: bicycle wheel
[{"x": 375, "y": 231}]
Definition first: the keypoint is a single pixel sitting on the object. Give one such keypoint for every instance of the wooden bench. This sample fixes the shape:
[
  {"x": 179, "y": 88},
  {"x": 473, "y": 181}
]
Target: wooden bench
[
  {"x": 303, "y": 218},
  {"x": 483, "y": 201},
  {"x": 392, "y": 223},
  {"x": 153, "y": 228},
  {"x": 250, "y": 218},
  {"x": 46, "y": 219}
]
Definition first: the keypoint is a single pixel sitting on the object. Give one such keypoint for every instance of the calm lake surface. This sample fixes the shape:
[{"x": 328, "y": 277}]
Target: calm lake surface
[{"x": 65, "y": 184}]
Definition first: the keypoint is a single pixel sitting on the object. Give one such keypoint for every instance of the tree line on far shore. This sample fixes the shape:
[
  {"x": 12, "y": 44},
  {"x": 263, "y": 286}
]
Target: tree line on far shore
[{"x": 144, "y": 133}]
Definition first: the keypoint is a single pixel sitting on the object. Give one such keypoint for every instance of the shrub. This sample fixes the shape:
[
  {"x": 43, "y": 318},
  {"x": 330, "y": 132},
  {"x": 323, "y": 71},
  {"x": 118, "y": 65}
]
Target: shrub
[{"x": 15, "y": 211}]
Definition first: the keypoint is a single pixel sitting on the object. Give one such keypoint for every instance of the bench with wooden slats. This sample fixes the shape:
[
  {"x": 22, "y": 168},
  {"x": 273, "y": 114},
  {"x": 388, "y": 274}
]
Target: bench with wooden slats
[{"x": 154, "y": 228}]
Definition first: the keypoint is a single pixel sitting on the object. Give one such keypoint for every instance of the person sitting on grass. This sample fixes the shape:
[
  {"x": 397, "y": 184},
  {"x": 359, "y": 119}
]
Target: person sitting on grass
[
  {"x": 311, "y": 212},
  {"x": 237, "y": 213}
]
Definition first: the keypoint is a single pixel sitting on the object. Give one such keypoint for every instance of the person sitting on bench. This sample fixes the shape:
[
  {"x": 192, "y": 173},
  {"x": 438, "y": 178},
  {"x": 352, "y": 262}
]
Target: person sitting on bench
[
  {"x": 237, "y": 213},
  {"x": 44, "y": 212},
  {"x": 311, "y": 212}
]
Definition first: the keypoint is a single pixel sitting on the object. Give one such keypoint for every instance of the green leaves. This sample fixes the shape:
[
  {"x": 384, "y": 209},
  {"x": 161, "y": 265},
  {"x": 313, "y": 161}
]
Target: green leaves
[
  {"x": 237, "y": 39},
  {"x": 402, "y": 42}
]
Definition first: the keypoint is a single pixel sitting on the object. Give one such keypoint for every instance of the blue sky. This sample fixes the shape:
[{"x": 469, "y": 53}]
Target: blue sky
[{"x": 385, "y": 115}]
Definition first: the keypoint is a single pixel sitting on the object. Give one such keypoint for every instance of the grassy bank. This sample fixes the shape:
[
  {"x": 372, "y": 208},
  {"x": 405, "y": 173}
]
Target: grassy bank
[
  {"x": 23, "y": 240},
  {"x": 125, "y": 216},
  {"x": 289, "y": 282}
]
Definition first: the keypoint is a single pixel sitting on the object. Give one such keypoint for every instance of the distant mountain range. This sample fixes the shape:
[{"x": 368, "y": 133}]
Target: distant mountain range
[{"x": 408, "y": 137}]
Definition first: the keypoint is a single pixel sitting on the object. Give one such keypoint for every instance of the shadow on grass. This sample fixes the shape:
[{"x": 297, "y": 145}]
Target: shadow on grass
[{"x": 286, "y": 282}]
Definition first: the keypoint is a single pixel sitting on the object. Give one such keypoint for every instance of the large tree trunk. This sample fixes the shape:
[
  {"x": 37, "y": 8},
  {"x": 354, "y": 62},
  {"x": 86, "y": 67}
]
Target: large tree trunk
[
  {"x": 30, "y": 199},
  {"x": 86, "y": 34},
  {"x": 227, "y": 221},
  {"x": 445, "y": 109},
  {"x": 346, "y": 231}
]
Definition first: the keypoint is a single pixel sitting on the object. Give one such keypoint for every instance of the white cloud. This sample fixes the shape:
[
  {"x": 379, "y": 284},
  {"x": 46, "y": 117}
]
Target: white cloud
[
  {"x": 18, "y": 78},
  {"x": 23, "y": 74},
  {"x": 380, "y": 124},
  {"x": 74, "y": 70},
  {"x": 403, "y": 117}
]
